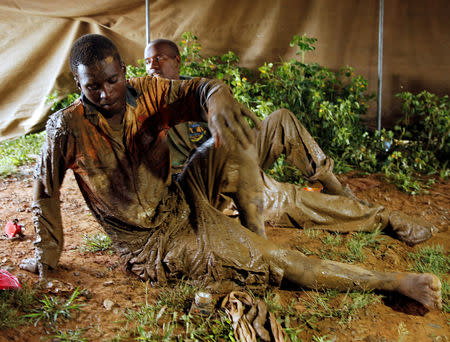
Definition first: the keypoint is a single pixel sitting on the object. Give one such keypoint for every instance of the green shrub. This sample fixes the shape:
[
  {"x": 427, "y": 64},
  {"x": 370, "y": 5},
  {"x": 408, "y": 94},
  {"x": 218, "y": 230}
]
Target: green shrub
[
  {"x": 331, "y": 104},
  {"x": 18, "y": 152},
  {"x": 426, "y": 121},
  {"x": 60, "y": 101}
]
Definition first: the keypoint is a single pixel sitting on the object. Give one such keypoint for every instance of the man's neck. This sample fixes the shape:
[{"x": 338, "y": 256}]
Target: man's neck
[{"x": 116, "y": 119}]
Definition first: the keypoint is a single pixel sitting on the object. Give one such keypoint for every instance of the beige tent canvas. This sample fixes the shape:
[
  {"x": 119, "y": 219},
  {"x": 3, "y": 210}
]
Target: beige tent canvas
[{"x": 36, "y": 36}]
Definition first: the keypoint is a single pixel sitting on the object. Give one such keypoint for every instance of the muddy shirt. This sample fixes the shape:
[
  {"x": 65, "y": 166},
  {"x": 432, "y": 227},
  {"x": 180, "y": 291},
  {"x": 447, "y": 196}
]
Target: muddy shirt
[
  {"x": 124, "y": 175},
  {"x": 185, "y": 138}
]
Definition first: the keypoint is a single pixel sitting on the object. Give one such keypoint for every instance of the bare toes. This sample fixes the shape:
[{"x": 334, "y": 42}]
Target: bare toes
[{"x": 434, "y": 294}]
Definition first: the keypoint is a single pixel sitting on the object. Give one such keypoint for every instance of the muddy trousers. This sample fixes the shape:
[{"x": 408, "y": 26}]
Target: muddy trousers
[
  {"x": 218, "y": 251},
  {"x": 288, "y": 205},
  {"x": 213, "y": 172}
]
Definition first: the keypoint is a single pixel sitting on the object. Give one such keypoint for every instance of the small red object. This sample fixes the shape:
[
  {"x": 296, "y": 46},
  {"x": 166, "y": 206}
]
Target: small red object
[
  {"x": 308, "y": 188},
  {"x": 13, "y": 228},
  {"x": 8, "y": 281}
]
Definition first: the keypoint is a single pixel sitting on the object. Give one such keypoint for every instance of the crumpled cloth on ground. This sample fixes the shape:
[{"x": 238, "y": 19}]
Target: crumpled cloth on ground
[{"x": 251, "y": 319}]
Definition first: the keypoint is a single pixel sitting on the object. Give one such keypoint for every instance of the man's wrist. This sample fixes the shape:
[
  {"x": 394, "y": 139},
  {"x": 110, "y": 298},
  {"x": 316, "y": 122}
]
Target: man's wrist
[{"x": 43, "y": 269}]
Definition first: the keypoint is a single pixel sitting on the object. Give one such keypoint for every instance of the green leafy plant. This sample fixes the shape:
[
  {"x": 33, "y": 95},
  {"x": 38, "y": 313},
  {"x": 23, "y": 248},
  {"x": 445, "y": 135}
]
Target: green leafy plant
[
  {"x": 13, "y": 305},
  {"x": 427, "y": 120},
  {"x": 331, "y": 105},
  {"x": 136, "y": 70},
  {"x": 52, "y": 309},
  {"x": 61, "y": 101},
  {"x": 19, "y": 152},
  {"x": 421, "y": 144},
  {"x": 304, "y": 44},
  {"x": 97, "y": 242}
]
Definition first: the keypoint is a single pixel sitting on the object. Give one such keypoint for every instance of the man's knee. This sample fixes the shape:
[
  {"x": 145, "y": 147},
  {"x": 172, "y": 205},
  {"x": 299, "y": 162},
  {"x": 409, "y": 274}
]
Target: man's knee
[{"x": 282, "y": 115}]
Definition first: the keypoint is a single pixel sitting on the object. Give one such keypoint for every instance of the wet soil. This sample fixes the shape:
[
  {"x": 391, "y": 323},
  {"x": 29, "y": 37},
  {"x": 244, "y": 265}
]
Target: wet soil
[{"x": 393, "y": 319}]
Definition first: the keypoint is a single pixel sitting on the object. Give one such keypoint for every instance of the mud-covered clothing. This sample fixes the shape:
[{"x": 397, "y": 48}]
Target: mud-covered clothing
[
  {"x": 286, "y": 204},
  {"x": 162, "y": 228},
  {"x": 185, "y": 138},
  {"x": 289, "y": 205}
]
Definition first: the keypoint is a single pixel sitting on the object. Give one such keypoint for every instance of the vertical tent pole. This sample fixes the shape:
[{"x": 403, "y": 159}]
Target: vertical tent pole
[
  {"x": 147, "y": 21},
  {"x": 380, "y": 61}
]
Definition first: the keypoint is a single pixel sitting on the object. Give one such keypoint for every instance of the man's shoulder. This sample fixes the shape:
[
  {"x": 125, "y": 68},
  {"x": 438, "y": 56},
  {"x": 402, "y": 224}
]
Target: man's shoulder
[
  {"x": 60, "y": 120},
  {"x": 140, "y": 82},
  {"x": 185, "y": 78}
]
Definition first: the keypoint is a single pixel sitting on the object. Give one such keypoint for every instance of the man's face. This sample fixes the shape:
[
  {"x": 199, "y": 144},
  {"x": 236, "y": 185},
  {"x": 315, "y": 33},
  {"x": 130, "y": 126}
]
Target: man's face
[
  {"x": 161, "y": 61},
  {"x": 104, "y": 85}
]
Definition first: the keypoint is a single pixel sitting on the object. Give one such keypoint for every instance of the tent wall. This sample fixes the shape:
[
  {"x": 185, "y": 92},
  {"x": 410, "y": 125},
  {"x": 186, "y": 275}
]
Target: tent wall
[{"x": 36, "y": 36}]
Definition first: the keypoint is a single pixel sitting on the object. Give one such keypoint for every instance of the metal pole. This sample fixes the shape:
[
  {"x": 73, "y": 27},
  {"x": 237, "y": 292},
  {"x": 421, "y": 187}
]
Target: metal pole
[
  {"x": 147, "y": 21},
  {"x": 380, "y": 61}
]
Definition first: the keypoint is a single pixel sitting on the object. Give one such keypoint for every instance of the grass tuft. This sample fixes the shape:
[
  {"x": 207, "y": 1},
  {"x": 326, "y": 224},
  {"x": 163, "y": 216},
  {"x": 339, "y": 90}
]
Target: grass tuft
[
  {"x": 318, "y": 306},
  {"x": 98, "y": 242},
  {"x": 52, "y": 309},
  {"x": 168, "y": 319},
  {"x": 13, "y": 303},
  {"x": 69, "y": 336},
  {"x": 362, "y": 240}
]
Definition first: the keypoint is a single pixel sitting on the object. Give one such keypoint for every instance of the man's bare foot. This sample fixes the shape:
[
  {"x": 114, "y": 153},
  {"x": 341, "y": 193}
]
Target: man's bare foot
[{"x": 423, "y": 287}]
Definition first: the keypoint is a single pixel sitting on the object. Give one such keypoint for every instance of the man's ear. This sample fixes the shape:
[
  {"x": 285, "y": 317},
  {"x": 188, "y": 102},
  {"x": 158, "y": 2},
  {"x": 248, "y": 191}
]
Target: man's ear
[
  {"x": 178, "y": 59},
  {"x": 75, "y": 77},
  {"x": 123, "y": 67}
]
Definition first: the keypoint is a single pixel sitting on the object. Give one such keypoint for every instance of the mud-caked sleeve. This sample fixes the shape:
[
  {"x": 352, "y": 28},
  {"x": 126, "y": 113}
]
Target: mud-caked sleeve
[
  {"x": 195, "y": 94},
  {"x": 176, "y": 101},
  {"x": 48, "y": 177}
]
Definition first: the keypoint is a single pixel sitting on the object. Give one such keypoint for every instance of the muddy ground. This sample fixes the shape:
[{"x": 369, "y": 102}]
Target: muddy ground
[{"x": 393, "y": 319}]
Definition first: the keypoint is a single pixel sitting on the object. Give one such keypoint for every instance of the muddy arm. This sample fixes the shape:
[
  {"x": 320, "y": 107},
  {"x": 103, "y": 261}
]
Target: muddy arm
[
  {"x": 197, "y": 99},
  {"x": 226, "y": 120},
  {"x": 48, "y": 178}
]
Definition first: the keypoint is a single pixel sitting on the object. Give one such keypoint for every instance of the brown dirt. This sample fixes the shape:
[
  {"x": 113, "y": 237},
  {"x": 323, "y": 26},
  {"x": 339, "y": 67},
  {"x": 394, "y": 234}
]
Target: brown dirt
[{"x": 102, "y": 275}]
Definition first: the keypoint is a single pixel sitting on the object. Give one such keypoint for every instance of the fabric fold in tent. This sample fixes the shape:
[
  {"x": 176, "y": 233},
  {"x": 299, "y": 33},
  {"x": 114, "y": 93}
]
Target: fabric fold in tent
[{"x": 35, "y": 52}]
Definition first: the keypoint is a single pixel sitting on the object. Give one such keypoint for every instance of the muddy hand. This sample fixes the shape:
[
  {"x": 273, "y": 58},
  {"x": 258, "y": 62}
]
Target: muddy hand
[
  {"x": 226, "y": 119},
  {"x": 31, "y": 265}
]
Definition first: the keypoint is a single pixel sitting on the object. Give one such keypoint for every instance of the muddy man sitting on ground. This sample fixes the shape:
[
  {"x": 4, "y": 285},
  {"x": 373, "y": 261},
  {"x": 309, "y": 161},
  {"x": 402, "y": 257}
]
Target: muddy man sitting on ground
[
  {"x": 287, "y": 204},
  {"x": 166, "y": 227}
]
